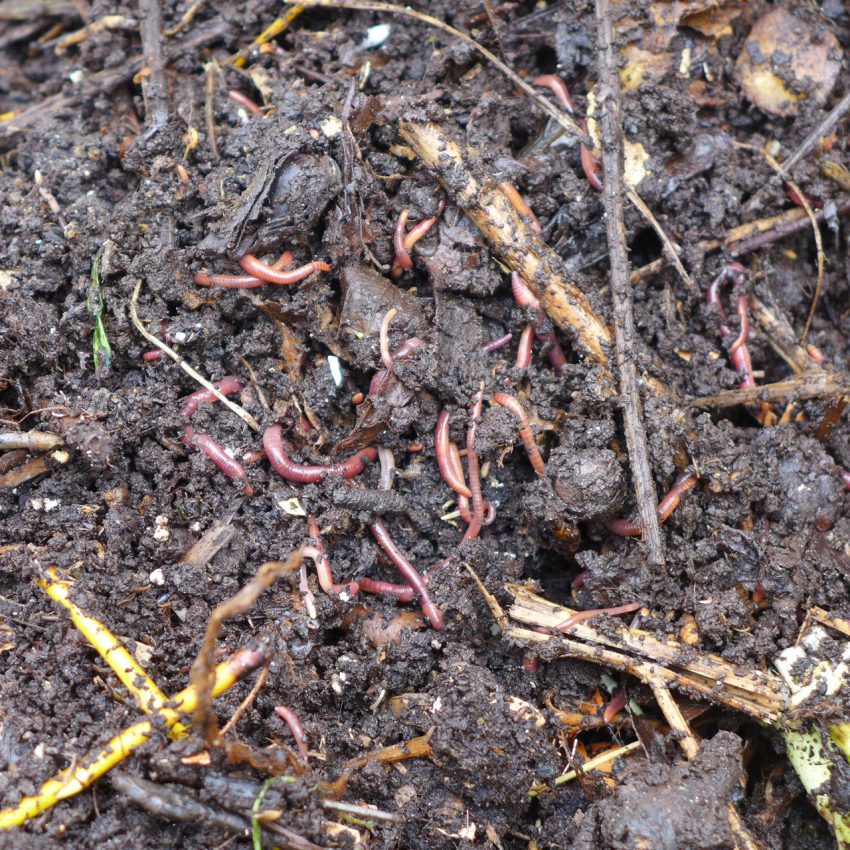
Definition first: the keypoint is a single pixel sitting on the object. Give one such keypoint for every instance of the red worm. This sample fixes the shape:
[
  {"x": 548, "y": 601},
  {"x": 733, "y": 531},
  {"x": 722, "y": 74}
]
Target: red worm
[
  {"x": 317, "y": 553},
  {"x": 402, "y": 257},
  {"x": 401, "y": 353},
  {"x": 614, "y": 707},
  {"x": 496, "y": 344},
  {"x": 429, "y": 609},
  {"x": 525, "y": 432},
  {"x": 240, "y": 281},
  {"x": 623, "y": 527},
  {"x": 520, "y": 205},
  {"x": 474, "y": 527},
  {"x": 559, "y": 89},
  {"x": 671, "y": 501},
  {"x": 581, "y": 616},
  {"x": 588, "y": 162},
  {"x": 301, "y": 473},
  {"x": 226, "y": 386},
  {"x": 627, "y": 528},
  {"x": 444, "y": 457},
  {"x": 285, "y": 713},
  {"x": 739, "y": 353},
  {"x": 230, "y": 467},
  {"x": 523, "y": 353},
  {"x": 555, "y": 352},
  {"x": 270, "y": 274},
  {"x": 243, "y": 100},
  {"x": 523, "y": 294},
  {"x": 150, "y": 356},
  {"x": 402, "y": 592},
  {"x": 421, "y": 229},
  {"x": 845, "y": 477},
  {"x": 590, "y": 166}
]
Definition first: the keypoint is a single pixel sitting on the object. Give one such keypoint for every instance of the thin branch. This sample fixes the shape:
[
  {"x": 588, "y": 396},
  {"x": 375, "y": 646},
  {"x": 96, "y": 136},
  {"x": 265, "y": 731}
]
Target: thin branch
[
  {"x": 621, "y": 290},
  {"x": 373, "y": 6},
  {"x": 154, "y": 87},
  {"x": 192, "y": 373},
  {"x": 824, "y": 128},
  {"x": 807, "y": 385}
]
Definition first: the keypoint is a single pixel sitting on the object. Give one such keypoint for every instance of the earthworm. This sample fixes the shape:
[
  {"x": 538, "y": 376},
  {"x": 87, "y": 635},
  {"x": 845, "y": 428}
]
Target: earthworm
[
  {"x": 474, "y": 527},
  {"x": 559, "y": 89},
  {"x": 523, "y": 294},
  {"x": 589, "y": 165},
  {"x": 845, "y": 477},
  {"x": 402, "y": 592},
  {"x": 285, "y": 713},
  {"x": 150, "y": 356},
  {"x": 401, "y": 353},
  {"x": 525, "y": 432},
  {"x": 384, "y": 338},
  {"x": 526, "y": 299},
  {"x": 523, "y": 353},
  {"x": 310, "y": 474},
  {"x": 496, "y": 344},
  {"x": 671, "y": 501},
  {"x": 230, "y": 467},
  {"x": 520, "y": 205},
  {"x": 240, "y": 281},
  {"x": 226, "y": 386},
  {"x": 739, "y": 353},
  {"x": 414, "y": 579},
  {"x": 614, "y": 707},
  {"x": 264, "y": 271},
  {"x": 403, "y": 243},
  {"x": 627, "y": 528},
  {"x": 243, "y": 100},
  {"x": 581, "y": 616},
  {"x": 317, "y": 553},
  {"x": 444, "y": 458},
  {"x": 402, "y": 257}
]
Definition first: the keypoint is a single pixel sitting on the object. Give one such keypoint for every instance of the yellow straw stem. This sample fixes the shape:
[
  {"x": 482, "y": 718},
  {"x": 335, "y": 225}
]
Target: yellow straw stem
[
  {"x": 91, "y": 768},
  {"x": 113, "y": 652}
]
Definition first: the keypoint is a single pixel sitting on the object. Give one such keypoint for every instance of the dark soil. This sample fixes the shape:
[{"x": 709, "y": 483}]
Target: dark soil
[{"x": 761, "y": 537}]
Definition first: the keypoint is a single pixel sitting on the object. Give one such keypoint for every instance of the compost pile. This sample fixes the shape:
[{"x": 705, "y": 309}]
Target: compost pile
[{"x": 144, "y": 150}]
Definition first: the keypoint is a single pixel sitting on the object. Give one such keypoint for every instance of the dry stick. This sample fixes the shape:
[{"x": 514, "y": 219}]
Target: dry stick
[
  {"x": 105, "y": 81},
  {"x": 824, "y": 128},
  {"x": 803, "y": 386},
  {"x": 672, "y": 250},
  {"x": 239, "y": 411},
  {"x": 621, "y": 290},
  {"x": 154, "y": 87},
  {"x": 369, "y": 6},
  {"x": 201, "y": 675},
  {"x": 510, "y": 238},
  {"x": 780, "y": 171}
]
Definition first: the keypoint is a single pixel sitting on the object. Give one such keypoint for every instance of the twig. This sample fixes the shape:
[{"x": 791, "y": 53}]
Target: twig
[
  {"x": 824, "y": 128},
  {"x": 201, "y": 677},
  {"x": 781, "y": 172},
  {"x": 107, "y": 80},
  {"x": 803, "y": 386},
  {"x": 245, "y": 704},
  {"x": 510, "y": 237},
  {"x": 621, "y": 290},
  {"x": 154, "y": 88},
  {"x": 192, "y": 373},
  {"x": 690, "y": 747},
  {"x": 188, "y": 17},
  {"x": 372, "y": 6},
  {"x": 672, "y": 250},
  {"x": 599, "y": 761}
]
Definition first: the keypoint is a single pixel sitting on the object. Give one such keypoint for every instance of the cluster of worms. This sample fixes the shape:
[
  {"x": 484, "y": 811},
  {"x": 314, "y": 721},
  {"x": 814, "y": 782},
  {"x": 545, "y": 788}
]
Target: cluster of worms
[{"x": 467, "y": 487}]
